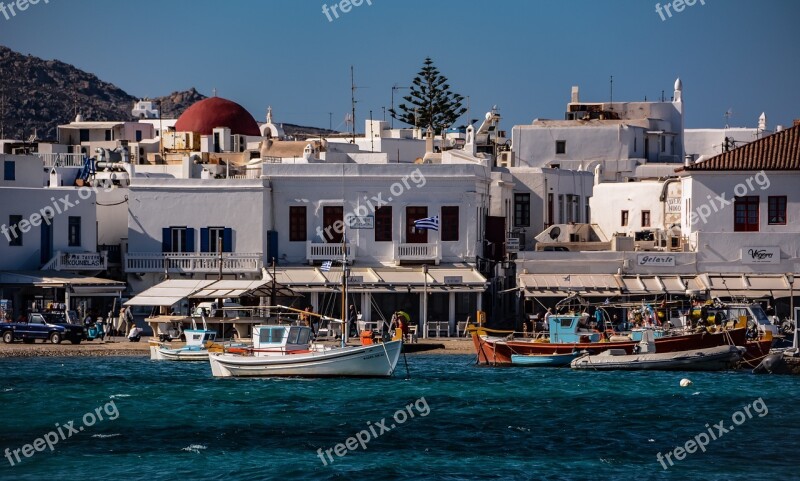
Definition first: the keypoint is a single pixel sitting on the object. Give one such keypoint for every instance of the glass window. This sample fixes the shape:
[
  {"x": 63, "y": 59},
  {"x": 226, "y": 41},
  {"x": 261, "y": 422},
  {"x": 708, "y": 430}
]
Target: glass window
[
  {"x": 297, "y": 223},
  {"x": 449, "y": 223},
  {"x": 645, "y": 218},
  {"x": 561, "y": 146},
  {"x": 294, "y": 335},
  {"x": 745, "y": 217},
  {"x": 623, "y": 221},
  {"x": 383, "y": 224},
  {"x": 522, "y": 210},
  {"x": 74, "y": 234},
  {"x": 777, "y": 210}
]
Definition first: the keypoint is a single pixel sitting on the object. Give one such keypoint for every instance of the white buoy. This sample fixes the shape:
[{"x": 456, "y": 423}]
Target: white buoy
[{"x": 685, "y": 382}]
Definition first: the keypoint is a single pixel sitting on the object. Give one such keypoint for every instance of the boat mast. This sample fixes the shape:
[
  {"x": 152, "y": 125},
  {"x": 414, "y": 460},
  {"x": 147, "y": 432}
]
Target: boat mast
[{"x": 344, "y": 288}]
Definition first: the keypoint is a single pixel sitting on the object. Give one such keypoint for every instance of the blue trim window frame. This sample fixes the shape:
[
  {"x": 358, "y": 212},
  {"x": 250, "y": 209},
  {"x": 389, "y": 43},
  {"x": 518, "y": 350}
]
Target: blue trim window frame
[
  {"x": 9, "y": 170},
  {"x": 177, "y": 239},
  {"x": 212, "y": 238}
]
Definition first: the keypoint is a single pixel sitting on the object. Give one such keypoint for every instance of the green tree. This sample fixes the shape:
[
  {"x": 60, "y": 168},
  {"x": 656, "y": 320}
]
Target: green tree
[{"x": 430, "y": 103}]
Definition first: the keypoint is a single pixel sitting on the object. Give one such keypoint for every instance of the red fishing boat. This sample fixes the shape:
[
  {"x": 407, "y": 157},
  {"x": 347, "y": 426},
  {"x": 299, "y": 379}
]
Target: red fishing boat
[{"x": 567, "y": 334}]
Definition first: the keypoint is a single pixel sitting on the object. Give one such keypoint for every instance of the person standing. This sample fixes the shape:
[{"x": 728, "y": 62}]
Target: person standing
[{"x": 352, "y": 317}]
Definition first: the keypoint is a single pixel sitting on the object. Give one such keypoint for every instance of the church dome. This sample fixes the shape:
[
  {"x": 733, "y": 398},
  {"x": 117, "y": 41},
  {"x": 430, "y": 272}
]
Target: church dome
[{"x": 207, "y": 114}]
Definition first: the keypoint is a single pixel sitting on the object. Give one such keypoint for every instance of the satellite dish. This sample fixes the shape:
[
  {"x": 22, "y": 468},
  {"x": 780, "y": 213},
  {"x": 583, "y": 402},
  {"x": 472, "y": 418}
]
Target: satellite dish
[{"x": 555, "y": 232}]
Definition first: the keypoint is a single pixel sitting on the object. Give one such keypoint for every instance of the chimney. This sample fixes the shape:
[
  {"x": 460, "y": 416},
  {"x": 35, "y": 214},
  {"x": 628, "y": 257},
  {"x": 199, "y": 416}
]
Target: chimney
[{"x": 575, "y": 98}]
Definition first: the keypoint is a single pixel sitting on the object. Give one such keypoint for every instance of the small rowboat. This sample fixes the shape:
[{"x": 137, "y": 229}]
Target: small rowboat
[{"x": 544, "y": 360}]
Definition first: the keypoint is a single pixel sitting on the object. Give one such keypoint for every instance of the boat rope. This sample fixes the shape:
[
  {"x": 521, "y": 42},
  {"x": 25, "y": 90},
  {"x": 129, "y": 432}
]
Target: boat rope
[{"x": 391, "y": 369}]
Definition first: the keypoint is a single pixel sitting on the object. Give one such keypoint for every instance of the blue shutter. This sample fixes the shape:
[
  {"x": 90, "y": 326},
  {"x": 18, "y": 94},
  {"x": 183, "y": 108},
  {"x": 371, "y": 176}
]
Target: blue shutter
[
  {"x": 189, "y": 239},
  {"x": 227, "y": 240},
  {"x": 166, "y": 239},
  {"x": 204, "y": 239}
]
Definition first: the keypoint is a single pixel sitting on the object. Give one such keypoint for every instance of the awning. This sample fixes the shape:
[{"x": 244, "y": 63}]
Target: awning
[
  {"x": 655, "y": 285},
  {"x": 561, "y": 285},
  {"x": 168, "y": 292},
  {"x": 382, "y": 279},
  {"x": 745, "y": 285},
  {"x": 226, "y": 288},
  {"x": 76, "y": 283}
]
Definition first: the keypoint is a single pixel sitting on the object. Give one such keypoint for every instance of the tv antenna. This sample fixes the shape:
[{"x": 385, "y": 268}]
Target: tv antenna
[{"x": 728, "y": 115}]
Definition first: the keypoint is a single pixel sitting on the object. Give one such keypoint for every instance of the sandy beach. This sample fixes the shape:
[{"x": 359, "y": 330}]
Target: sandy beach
[{"x": 121, "y": 347}]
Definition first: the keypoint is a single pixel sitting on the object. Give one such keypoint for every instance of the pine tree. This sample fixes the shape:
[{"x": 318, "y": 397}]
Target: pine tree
[{"x": 430, "y": 103}]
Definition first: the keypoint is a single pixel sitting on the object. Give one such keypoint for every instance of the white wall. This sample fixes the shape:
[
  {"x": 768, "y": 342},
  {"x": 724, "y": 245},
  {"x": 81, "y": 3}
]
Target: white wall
[
  {"x": 29, "y": 171},
  {"x": 29, "y": 201},
  {"x": 356, "y": 187},
  {"x": 611, "y": 198},
  {"x": 158, "y": 203}
]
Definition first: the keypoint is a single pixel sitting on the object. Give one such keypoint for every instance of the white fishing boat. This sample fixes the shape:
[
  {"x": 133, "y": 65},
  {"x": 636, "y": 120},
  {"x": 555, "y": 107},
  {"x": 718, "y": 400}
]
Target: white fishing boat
[
  {"x": 289, "y": 351},
  {"x": 198, "y": 343},
  {"x": 709, "y": 359},
  {"x": 281, "y": 350}
]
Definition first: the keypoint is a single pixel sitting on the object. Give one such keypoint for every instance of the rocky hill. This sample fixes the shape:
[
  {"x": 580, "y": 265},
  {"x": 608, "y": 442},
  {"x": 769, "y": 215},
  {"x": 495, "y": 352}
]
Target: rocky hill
[{"x": 37, "y": 95}]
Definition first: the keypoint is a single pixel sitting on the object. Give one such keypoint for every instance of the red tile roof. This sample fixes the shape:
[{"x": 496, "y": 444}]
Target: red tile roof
[{"x": 779, "y": 151}]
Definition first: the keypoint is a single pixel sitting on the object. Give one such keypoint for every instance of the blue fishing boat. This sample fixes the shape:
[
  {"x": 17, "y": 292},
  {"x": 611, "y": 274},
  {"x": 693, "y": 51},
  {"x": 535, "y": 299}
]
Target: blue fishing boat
[{"x": 544, "y": 360}]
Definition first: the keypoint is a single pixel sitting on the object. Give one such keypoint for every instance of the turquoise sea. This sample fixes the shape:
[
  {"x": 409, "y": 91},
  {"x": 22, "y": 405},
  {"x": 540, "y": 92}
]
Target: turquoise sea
[{"x": 174, "y": 421}]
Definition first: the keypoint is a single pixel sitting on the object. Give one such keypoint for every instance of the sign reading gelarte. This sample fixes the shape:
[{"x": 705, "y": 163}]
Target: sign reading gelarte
[
  {"x": 761, "y": 255},
  {"x": 87, "y": 261},
  {"x": 452, "y": 280},
  {"x": 656, "y": 260},
  {"x": 361, "y": 222}
]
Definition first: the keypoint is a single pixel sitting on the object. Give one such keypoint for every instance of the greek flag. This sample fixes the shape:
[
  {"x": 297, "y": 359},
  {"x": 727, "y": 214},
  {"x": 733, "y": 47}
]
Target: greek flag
[
  {"x": 428, "y": 223},
  {"x": 326, "y": 266}
]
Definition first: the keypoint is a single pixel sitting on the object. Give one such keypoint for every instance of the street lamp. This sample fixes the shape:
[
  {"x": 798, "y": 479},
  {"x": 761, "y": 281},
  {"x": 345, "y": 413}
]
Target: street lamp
[
  {"x": 790, "y": 278},
  {"x": 425, "y": 303}
]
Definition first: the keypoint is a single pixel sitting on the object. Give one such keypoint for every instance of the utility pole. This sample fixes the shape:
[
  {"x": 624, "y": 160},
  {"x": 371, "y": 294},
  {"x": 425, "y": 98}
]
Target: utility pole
[{"x": 353, "y": 100}]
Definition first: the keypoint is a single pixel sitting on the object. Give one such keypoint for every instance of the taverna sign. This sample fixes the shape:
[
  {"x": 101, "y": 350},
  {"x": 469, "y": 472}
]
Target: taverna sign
[
  {"x": 656, "y": 260},
  {"x": 761, "y": 255}
]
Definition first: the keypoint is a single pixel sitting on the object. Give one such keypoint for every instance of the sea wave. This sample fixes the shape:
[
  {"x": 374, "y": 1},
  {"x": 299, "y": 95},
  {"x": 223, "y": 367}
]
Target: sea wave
[
  {"x": 103, "y": 436},
  {"x": 194, "y": 448},
  {"x": 116, "y": 396}
]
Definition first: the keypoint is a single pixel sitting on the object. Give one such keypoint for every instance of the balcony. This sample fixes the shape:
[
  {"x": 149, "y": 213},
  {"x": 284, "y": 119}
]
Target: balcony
[
  {"x": 61, "y": 160},
  {"x": 193, "y": 262},
  {"x": 326, "y": 252},
  {"x": 416, "y": 253}
]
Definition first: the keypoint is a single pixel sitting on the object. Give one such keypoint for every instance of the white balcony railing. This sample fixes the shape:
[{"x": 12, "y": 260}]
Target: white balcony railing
[
  {"x": 193, "y": 262},
  {"x": 325, "y": 252},
  {"x": 416, "y": 252},
  {"x": 62, "y": 160}
]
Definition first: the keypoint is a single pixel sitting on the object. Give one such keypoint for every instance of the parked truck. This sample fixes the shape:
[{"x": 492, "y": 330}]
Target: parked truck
[{"x": 39, "y": 326}]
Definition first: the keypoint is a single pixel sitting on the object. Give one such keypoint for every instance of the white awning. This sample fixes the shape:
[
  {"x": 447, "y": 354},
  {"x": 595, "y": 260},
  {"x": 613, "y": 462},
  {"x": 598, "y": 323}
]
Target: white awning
[
  {"x": 168, "y": 292},
  {"x": 76, "y": 283},
  {"x": 745, "y": 285},
  {"x": 384, "y": 279},
  {"x": 561, "y": 285}
]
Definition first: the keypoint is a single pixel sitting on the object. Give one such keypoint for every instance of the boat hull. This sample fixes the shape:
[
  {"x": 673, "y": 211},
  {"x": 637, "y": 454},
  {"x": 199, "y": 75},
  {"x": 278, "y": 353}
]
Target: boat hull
[
  {"x": 159, "y": 352},
  {"x": 543, "y": 360},
  {"x": 377, "y": 360},
  {"x": 498, "y": 351},
  {"x": 711, "y": 359}
]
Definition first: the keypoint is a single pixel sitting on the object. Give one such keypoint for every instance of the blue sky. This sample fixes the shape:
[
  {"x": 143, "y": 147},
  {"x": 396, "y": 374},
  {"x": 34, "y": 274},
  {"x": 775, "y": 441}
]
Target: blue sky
[{"x": 521, "y": 55}]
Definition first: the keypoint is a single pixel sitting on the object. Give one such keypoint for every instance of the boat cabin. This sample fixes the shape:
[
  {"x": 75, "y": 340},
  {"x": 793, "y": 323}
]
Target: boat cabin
[
  {"x": 742, "y": 314},
  {"x": 281, "y": 339},
  {"x": 199, "y": 337},
  {"x": 571, "y": 329}
]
